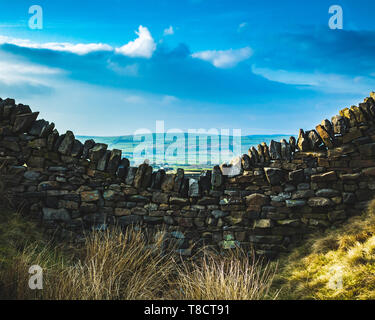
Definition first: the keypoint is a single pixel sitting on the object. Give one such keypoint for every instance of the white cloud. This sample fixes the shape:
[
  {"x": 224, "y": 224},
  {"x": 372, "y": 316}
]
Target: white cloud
[
  {"x": 144, "y": 46},
  {"x": 322, "y": 81},
  {"x": 16, "y": 72},
  {"x": 224, "y": 58},
  {"x": 169, "y": 31},
  {"x": 80, "y": 48}
]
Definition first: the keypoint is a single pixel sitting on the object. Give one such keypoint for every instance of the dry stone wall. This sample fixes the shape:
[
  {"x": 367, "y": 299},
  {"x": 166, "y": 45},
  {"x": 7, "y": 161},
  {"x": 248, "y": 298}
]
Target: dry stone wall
[{"x": 284, "y": 191}]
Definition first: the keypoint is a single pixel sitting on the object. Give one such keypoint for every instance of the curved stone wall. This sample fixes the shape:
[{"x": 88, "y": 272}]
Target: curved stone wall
[{"x": 284, "y": 191}]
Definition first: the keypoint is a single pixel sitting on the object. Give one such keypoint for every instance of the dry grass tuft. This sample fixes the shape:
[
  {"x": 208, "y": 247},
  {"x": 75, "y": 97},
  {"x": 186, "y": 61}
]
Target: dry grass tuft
[{"x": 231, "y": 277}]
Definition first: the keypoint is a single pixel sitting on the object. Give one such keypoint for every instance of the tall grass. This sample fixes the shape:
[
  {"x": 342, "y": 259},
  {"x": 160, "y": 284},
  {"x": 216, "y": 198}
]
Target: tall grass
[
  {"x": 126, "y": 265},
  {"x": 235, "y": 276},
  {"x": 117, "y": 265}
]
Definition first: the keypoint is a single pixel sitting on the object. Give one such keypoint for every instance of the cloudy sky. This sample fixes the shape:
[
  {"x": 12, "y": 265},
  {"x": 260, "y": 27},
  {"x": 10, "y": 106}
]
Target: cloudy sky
[{"x": 112, "y": 67}]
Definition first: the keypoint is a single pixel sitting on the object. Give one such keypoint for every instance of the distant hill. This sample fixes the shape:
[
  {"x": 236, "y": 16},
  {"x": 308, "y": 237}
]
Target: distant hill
[{"x": 128, "y": 144}]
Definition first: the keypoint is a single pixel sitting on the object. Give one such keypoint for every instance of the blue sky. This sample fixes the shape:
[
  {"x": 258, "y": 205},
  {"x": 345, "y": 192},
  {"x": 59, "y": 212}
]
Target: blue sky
[{"x": 112, "y": 67}]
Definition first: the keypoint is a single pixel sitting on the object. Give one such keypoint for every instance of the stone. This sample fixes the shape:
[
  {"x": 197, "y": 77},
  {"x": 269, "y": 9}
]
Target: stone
[
  {"x": 367, "y": 150},
  {"x": 359, "y": 116},
  {"x": 266, "y": 152},
  {"x": 325, "y": 136},
  {"x": 257, "y": 199},
  {"x": 52, "y": 139},
  {"x": 32, "y": 175},
  {"x": 274, "y": 175},
  {"x": 56, "y": 214},
  {"x": 109, "y": 195},
  {"x": 324, "y": 177},
  {"x": 97, "y": 152},
  {"x": 349, "y": 115},
  {"x": 120, "y": 212},
  {"x": 130, "y": 175},
  {"x": 10, "y": 145},
  {"x": 351, "y": 176},
  {"x": 263, "y": 224},
  {"x": 205, "y": 181},
  {"x": 293, "y": 144},
  {"x": 336, "y": 215},
  {"x": 369, "y": 171},
  {"x": 194, "y": 190},
  {"x": 297, "y": 176},
  {"x": 184, "y": 191},
  {"x": 77, "y": 149},
  {"x": 159, "y": 197},
  {"x": 90, "y": 196},
  {"x": 129, "y": 220},
  {"x": 157, "y": 179},
  {"x": 139, "y": 175},
  {"x": 327, "y": 125},
  {"x": 286, "y": 153},
  {"x": 114, "y": 161},
  {"x": 301, "y": 194},
  {"x": 122, "y": 169},
  {"x": 219, "y": 214},
  {"x": 354, "y": 133},
  {"x": 147, "y": 178},
  {"x": 66, "y": 145},
  {"x": 168, "y": 183},
  {"x": 339, "y": 125},
  {"x": 295, "y": 203},
  {"x": 314, "y": 140},
  {"x": 260, "y": 154},
  {"x": 48, "y": 185},
  {"x": 23, "y": 122},
  {"x": 246, "y": 162},
  {"x": 178, "y": 201},
  {"x": 178, "y": 180},
  {"x": 302, "y": 141},
  {"x": 39, "y": 128},
  {"x": 320, "y": 202},
  {"x": 232, "y": 169},
  {"x": 87, "y": 207},
  {"x": 253, "y": 154},
  {"x": 348, "y": 198},
  {"x": 275, "y": 150},
  {"x": 103, "y": 161},
  {"x": 281, "y": 197},
  {"x": 86, "y": 148},
  {"x": 216, "y": 177},
  {"x": 342, "y": 150},
  {"x": 327, "y": 193}
]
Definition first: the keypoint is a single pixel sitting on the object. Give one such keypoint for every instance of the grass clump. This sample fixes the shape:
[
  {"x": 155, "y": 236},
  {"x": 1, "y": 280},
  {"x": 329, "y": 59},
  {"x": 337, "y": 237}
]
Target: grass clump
[{"x": 234, "y": 276}]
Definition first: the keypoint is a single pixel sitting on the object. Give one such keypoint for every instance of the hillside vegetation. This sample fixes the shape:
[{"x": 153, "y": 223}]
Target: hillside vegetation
[{"x": 337, "y": 265}]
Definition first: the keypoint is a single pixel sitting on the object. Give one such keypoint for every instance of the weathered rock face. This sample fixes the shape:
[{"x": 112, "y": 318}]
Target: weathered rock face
[{"x": 281, "y": 192}]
